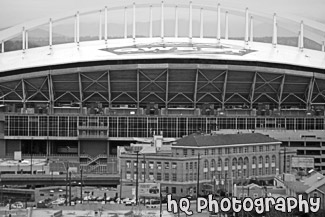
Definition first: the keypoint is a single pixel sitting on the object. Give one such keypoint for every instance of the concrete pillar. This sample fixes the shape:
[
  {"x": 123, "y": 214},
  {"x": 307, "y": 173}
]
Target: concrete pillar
[
  {"x": 134, "y": 23},
  {"x": 150, "y": 22},
  {"x": 246, "y": 26},
  {"x": 125, "y": 22},
  {"x": 176, "y": 22},
  {"x": 201, "y": 23},
  {"x": 190, "y": 22},
  {"x": 105, "y": 25},
  {"x": 301, "y": 35},
  {"x": 218, "y": 24},
  {"x": 50, "y": 33},
  {"x": 252, "y": 30},
  {"x": 162, "y": 27},
  {"x": 275, "y": 31},
  {"x": 100, "y": 26}
]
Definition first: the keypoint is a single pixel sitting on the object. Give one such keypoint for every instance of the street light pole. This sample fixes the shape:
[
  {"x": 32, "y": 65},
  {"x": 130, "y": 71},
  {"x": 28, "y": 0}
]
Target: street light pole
[
  {"x": 137, "y": 180},
  {"x": 198, "y": 176},
  {"x": 69, "y": 188},
  {"x": 66, "y": 187},
  {"x": 81, "y": 198}
]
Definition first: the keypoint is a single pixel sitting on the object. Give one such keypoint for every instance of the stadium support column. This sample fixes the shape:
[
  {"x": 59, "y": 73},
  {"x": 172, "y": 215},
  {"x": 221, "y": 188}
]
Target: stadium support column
[
  {"x": 251, "y": 37},
  {"x": 246, "y": 26},
  {"x": 301, "y": 39},
  {"x": 190, "y": 22},
  {"x": 176, "y": 21},
  {"x": 78, "y": 28},
  {"x": 275, "y": 32},
  {"x": 26, "y": 42},
  {"x": 134, "y": 27},
  {"x": 162, "y": 22},
  {"x": 218, "y": 24},
  {"x": 105, "y": 25},
  {"x": 125, "y": 22},
  {"x": 201, "y": 22},
  {"x": 150, "y": 22},
  {"x": 226, "y": 26},
  {"x": 50, "y": 34}
]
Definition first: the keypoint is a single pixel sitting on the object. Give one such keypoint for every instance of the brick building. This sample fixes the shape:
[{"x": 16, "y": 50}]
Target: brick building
[{"x": 222, "y": 157}]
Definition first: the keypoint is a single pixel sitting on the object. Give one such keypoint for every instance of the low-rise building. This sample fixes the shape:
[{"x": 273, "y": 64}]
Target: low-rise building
[{"x": 206, "y": 158}]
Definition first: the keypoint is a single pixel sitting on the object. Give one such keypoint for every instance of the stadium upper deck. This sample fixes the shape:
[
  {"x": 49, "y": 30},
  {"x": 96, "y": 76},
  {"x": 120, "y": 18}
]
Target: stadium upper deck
[{"x": 117, "y": 89}]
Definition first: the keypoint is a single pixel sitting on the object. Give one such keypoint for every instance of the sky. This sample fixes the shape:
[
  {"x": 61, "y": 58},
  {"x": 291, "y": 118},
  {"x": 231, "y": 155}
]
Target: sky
[{"x": 13, "y": 12}]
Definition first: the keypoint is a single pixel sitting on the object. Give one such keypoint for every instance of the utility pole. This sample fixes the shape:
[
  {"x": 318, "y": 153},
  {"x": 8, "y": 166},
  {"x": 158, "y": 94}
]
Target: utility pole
[
  {"x": 121, "y": 182},
  {"x": 137, "y": 180},
  {"x": 66, "y": 186},
  {"x": 69, "y": 188},
  {"x": 81, "y": 198},
  {"x": 198, "y": 176},
  {"x": 31, "y": 157},
  {"x": 284, "y": 160}
]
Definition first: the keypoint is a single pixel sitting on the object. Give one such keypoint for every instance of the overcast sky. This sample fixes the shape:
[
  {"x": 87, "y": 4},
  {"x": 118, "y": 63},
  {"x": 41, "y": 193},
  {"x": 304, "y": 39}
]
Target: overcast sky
[{"x": 13, "y": 12}]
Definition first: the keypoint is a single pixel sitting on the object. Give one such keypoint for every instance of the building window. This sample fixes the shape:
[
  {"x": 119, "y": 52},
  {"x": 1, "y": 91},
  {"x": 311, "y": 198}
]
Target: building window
[
  {"x": 240, "y": 149},
  {"x": 158, "y": 176},
  {"x": 184, "y": 152},
  {"x": 193, "y": 152},
  {"x": 174, "y": 177},
  {"x": 134, "y": 164},
  {"x": 254, "y": 148},
  {"x": 261, "y": 148},
  {"x": 166, "y": 177},
  {"x": 41, "y": 195},
  {"x": 273, "y": 170},
  {"x": 143, "y": 165},
  {"x": 206, "y": 164},
  {"x": 151, "y": 176},
  {"x": 227, "y": 150},
  {"x": 186, "y": 177},
  {"x": 195, "y": 165},
  {"x": 267, "y": 148},
  {"x": 234, "y": 150},
  {"x": 159, "y": 165},
  {"x": 219, "y": 150},
  {"x": 205, "y": 175},
  {"x": 206, "y": 151},
  {"x": 186, "y": 166},
  {"x": 173, "y": 190},
  {"x": 195, "y": 176},
  {"x": 260, "y": 160},
  {"x": 213, "y": 151},
  {"x": 167, "y": 190},
  {"x": 245, "y": 149},
  {"x": 254, "y": 172},
  {"x": 128, "y": 175},
  {"x": 167, "y": 165},
  {"x": 260, "y": 172},
  {"x": 266, "y": 171},
  {"x": 128, "y": 164},
  {"x": 254, "y": 160},
  {"x": 267, "y": 159},
  {"x": 191, "y": 165},
  {"x": 151, "y": 165},
  {"x": 219, "y": 162},
  {"x": 174, "y": 165},
  {"x": 191, "y": 177},
  {"x": 226, "y": 162},
  {"x": 273, "y": 159}
]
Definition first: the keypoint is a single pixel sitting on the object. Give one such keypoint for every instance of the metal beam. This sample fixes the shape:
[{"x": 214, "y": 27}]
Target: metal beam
[
  {"x": 80, "y": 89},
  {"x": 253, "y": 90},
  {"x": 51, "y": 92},
  {"x": 224, "y": 89},
  {"x": 109, "y": 89},
  {"x": 167, "y": 87},
  {"x": 281, "y": 92},
  {"x": 138, "y": 89},
  {"x": 310, "y": 92},
  {"x": 195, "y": 87},
  {"x": 24, "y": 93}
]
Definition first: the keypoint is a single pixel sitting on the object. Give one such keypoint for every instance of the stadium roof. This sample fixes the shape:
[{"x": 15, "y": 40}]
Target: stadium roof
[{"x": 198, "y": 140}]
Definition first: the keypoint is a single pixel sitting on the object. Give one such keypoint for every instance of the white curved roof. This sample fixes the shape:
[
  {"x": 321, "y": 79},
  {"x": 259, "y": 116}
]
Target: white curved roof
[{"x": 154, "y": 48}]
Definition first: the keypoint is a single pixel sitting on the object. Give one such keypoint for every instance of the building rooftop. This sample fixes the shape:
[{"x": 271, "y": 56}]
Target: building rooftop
[{"x": 198, "y": 140}]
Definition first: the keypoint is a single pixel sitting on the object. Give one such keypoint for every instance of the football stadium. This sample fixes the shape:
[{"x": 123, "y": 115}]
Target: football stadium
[{"x": 172, "y": 74}]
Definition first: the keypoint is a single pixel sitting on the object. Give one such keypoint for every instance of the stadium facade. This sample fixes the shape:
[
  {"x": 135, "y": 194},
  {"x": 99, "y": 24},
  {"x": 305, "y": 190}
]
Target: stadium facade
[{"x": 83, "y": 99}]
